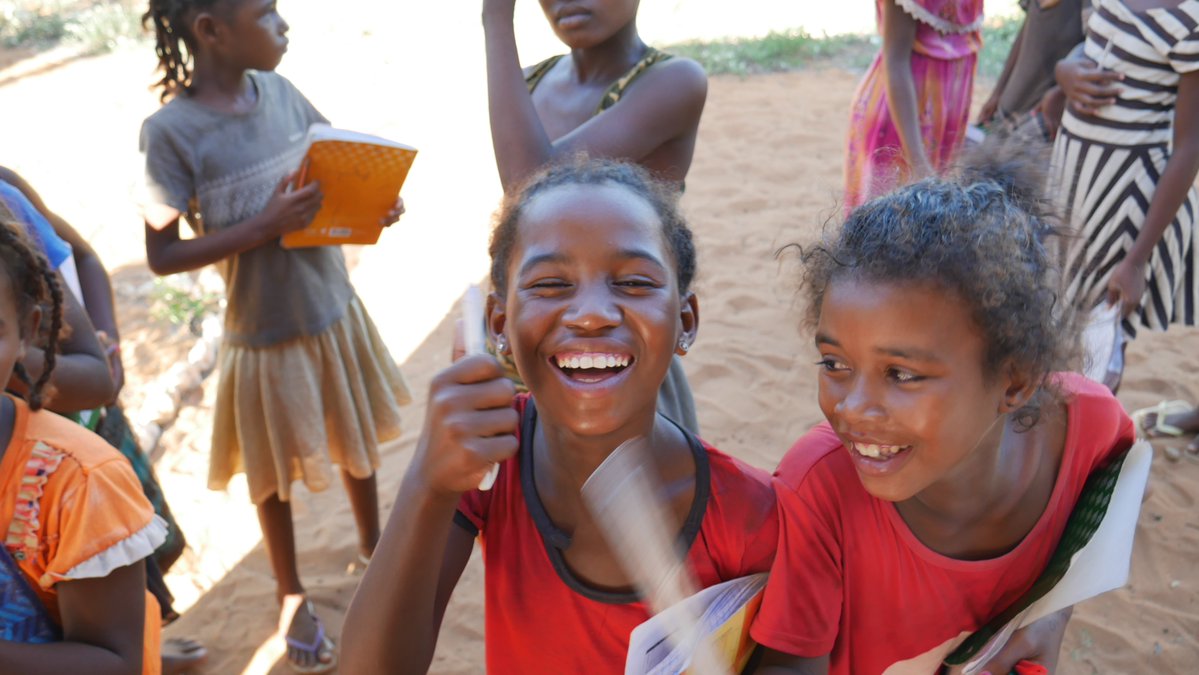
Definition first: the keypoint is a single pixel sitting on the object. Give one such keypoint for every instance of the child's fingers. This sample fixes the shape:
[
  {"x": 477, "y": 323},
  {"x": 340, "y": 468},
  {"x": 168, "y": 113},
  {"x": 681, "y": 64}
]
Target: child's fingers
[
  {"x": 494, "y": 394},
  {"x": 393, "y": 216},
  {"x": 1113, "y": 295},
  {"x": 474, "y": 368},
  {"x": 494, "y": 449},
  {"x": 450, "y": 400},
  {"x": 1098, "y": 92},
  {"x": 1083, "y": 108},
  {"x": 311, "y": 191},
  {"x": 487, "y": 422},
  {"x": 288, "y": 182}
]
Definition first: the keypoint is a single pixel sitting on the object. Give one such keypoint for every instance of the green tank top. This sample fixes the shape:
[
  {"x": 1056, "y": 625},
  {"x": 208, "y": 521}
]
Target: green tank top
[{"x": 614, "y": 92}]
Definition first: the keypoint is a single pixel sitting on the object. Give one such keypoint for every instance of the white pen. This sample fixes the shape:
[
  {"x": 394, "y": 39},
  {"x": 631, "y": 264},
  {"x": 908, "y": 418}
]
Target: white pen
[
  {"x": 472, "y": 336},
  {"x": 1107, "y": 49}
]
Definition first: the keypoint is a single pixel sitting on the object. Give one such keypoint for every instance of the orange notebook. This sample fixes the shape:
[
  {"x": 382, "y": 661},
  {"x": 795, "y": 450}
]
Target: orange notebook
[{"x": 360, "y": 177}]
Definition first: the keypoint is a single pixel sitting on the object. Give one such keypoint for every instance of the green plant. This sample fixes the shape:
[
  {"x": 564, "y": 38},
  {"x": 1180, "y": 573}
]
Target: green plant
[
  {"x": 182, "y": 301},
  {"x": 31, "y": 23},
  {"x": 777, "y": 51},
  {"x": 105, "y": 26},
  {"x": 998, "y": 37},
  {"x": 93, "y": 25}
]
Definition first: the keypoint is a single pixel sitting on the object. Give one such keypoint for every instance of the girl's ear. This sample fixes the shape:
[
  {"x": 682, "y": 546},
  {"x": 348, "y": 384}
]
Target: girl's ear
[
  {"x": 206, "y": 28},
  {"x": 688, "y": 322},
  {"x": 497, "y": 321},
  {"x": 1021, "y": 386}
]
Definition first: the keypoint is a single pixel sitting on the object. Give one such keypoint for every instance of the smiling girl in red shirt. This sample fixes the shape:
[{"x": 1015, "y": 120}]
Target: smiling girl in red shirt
[
  {"x": 591, "y": 262},
  {"x": 954, "y": 450}
]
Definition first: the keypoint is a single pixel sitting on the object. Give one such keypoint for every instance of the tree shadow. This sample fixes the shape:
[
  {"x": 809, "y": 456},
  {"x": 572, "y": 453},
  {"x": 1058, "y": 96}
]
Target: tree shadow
[{"x": 19, "y": 63}]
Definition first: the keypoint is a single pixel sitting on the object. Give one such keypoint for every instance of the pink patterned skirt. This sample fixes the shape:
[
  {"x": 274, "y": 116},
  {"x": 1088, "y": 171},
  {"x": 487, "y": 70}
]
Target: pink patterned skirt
[{"x": 875, "y": 164}]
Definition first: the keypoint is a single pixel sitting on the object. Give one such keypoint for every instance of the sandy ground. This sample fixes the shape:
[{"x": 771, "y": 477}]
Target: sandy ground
[{"x": 766, "y": 173}]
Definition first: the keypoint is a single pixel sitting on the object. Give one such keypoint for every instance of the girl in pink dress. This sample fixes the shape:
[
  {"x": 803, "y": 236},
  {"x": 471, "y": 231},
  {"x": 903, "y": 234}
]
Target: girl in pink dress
[{"x": 911, "y": 110}]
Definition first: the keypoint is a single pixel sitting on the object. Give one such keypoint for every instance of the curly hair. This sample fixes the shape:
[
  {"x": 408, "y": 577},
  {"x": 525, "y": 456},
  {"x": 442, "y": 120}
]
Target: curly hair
[
  {"x": 34, "y": 283},
  {"x": 173, "y": 42},
  {"x": 980, "y": 232},
  {"x": 663, "y": 197}
]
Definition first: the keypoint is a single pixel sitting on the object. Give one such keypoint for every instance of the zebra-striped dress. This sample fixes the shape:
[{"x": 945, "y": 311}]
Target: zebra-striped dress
[{"x": 1106, "y": 167}]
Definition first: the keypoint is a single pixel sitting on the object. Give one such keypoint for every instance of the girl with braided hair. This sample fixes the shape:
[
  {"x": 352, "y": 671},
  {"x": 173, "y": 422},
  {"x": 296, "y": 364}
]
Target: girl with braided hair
[
  {"x": 77, "y": 524},
  {"x": 305, "y": 380},
  {"x": 81, "y": 372}
]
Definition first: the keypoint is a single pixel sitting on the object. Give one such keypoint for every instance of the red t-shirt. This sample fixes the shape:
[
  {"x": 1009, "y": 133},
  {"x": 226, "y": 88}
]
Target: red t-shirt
[
  {"x": 540, "y": 618},
  {"x": 853, "y": 581}
]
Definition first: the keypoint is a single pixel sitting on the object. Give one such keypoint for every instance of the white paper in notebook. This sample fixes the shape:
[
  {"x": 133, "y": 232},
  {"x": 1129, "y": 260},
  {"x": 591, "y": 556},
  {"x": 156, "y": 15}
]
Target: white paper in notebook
[
  {"x": 1102, "y": 340},
  {"x": 1099, "y": 566},
  {"x": 655, "y": 649}
]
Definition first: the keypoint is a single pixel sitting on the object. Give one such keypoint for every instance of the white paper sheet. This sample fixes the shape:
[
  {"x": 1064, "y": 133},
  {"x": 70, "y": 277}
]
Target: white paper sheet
[
  {"x": 1102, "y": 340},
  {"x": 1101, "y": 565}
]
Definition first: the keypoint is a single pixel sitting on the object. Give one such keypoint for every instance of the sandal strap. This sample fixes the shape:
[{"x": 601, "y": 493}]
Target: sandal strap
[{"x": 318, "y": 640}]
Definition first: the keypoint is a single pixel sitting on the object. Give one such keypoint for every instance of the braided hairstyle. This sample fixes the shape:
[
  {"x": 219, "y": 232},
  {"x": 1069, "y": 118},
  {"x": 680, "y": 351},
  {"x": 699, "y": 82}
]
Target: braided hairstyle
[
  {"x": 663, "y": 197},
  {"x": 980, "y": 232},
  {"x": 34, "y": 283},
  {"x": 171, "y": 20}
]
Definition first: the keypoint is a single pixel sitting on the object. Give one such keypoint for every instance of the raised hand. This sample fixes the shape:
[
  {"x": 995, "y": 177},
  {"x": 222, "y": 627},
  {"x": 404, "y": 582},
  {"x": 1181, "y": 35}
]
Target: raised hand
[
  {"x": 470, "y": 425},
  {"x": 499, "y": 9}
]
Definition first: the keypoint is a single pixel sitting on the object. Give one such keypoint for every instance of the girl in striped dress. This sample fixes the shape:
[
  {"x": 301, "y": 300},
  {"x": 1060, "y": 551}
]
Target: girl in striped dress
[
  {"x": 911, "y": 110},
  {"x": 1125, "y": 171}
]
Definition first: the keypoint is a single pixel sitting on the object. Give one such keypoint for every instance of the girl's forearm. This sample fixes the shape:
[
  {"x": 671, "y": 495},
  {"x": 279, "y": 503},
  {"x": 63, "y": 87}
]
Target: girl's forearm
[
  {"x": 517, "y": 135},
  {"x": 394, "y": 617},
  {"x": 1010, "y": 64},
  {"x": 97, "y": 295},
  {"x": 80, "y": 381},
  {"x": 1172, "y": 188},
  {"x": 55, "y": 658},
  {"x": 901, "y": 101},
  {"x": 168, "y": 254},
  {"x": 899, "y": 34}
]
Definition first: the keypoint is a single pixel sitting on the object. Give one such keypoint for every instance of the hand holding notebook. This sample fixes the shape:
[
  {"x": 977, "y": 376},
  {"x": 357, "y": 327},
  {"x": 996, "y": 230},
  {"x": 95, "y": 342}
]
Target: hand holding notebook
[{"x": 360, "y": 178}]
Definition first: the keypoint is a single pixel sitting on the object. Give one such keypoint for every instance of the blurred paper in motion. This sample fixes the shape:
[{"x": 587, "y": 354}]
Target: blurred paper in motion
[
  {"x": 624, "y": 496},
  {"x": 726, "y": 612}
]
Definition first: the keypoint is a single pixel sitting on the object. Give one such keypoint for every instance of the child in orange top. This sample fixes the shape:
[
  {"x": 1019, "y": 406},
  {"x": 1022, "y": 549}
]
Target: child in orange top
[
  {"x": 76, "y": 523},
  {"x": 955, "y": 448}
]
